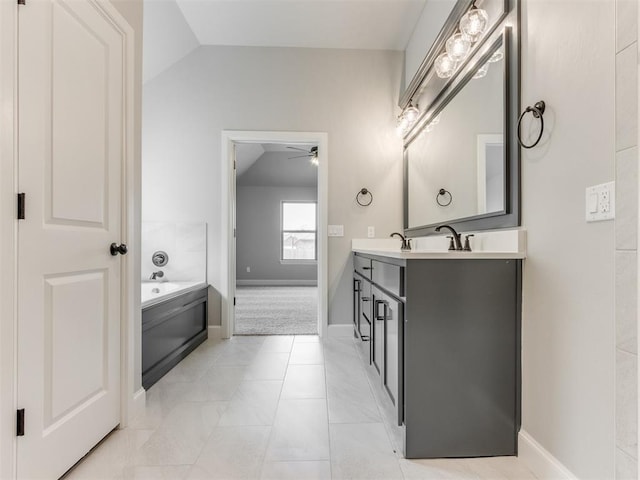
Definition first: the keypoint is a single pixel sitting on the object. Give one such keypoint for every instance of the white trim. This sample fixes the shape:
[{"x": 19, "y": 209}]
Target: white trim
[
  {"x": 227, "y": 224},
  {"x": 484, "y": 139},
  {"x": 299, "y": 261},
  {"x": 138, "y": 404},
  {"x": 540, "y": 461},
  {"x": 340, "y": 330},
  {"x": 277, "y": 283},
  {"x": 8, "y": 232},
  {"x": 131, "y": 318},
  {"x": 214, "y": 332}
]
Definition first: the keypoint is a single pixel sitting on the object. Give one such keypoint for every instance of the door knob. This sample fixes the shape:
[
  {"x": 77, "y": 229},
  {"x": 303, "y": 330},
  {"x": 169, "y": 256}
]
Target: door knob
[{"x": 116, "y": 249}]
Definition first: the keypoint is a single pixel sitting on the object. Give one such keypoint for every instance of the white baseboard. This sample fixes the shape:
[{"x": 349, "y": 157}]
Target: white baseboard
[
  {"x": 277, "y": 283},
  {"x": 340, "y": 330},
  {"x": 215, "y": 332},
  {"x": 540, "y": 461}
]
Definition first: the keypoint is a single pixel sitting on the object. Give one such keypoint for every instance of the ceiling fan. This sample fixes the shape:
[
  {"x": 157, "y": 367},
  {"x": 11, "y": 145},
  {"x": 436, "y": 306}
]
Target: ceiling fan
[{"x": 312, "y": 153}]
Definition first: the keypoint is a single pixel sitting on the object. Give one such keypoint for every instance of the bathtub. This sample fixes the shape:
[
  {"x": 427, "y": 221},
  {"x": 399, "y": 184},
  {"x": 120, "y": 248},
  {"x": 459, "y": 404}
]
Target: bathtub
[
  {"x": 156, "y": 292},
  {"x": 174, "y": 323}
]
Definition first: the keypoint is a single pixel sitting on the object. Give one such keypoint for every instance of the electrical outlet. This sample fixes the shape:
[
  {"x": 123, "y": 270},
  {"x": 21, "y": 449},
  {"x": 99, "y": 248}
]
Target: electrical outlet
[
  {"x": 248, "y": 269},
  {"x": 335, "y": 230},
  {"x": 600, "y": 202},
  {"x": 371, "y": 232}
]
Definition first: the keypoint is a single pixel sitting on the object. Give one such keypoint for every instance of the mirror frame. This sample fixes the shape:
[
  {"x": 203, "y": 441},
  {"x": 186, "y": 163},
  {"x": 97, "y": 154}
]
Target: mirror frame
[{"x": 508, "y": 36}]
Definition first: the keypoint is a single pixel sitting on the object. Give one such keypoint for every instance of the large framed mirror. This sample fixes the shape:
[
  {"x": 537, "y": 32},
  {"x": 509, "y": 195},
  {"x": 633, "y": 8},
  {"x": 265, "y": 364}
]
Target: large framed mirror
[{"x": 462, "y": 162}]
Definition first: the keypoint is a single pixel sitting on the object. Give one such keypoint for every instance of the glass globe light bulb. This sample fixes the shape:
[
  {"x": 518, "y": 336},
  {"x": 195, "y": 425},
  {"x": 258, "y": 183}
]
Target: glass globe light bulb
[
  {"x": 403, "y": 126},
  {"x": 458, "y": 47},
  {"x": 482, "y": 71},
  {"x": 474, "y": 23},
  {"x": 497, "y": 56},
  {"x": 411, "y": 113},
  {"x": 445, "y": 66}
]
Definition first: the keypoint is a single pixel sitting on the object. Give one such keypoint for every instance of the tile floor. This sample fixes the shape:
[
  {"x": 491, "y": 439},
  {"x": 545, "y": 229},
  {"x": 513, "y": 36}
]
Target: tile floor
[{"x": 279, "y": 407}]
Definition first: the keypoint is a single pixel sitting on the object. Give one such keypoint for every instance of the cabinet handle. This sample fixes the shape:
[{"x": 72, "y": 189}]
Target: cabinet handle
[
  {"x": 367, "y": 268},
  {"x": 365, "y": 299},
  {"x": 356, "y": 285},
  {"x": 384, "y": 310}
]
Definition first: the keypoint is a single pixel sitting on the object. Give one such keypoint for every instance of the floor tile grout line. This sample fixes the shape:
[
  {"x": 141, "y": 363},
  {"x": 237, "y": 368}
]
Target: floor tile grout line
[
  {"x": 326, "y": 389},
  {"x": 272, "y": 427}
]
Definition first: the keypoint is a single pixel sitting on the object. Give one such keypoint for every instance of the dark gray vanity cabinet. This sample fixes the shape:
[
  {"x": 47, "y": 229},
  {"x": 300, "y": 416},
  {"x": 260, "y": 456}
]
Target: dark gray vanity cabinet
[{"x": 446, "y": 340}]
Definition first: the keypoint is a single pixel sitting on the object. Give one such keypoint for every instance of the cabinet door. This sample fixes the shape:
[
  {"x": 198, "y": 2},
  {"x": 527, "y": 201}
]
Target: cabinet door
[{"x": 390, "y": 310}]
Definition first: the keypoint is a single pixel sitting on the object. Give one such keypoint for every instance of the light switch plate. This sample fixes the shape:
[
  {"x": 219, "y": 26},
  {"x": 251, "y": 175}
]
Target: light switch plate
[
  {"x": 600, "y": 202},
  {"x": 335, "y": 230}
]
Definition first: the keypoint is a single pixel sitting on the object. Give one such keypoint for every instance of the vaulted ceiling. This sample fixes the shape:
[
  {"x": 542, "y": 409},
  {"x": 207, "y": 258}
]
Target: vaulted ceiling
[
  {"x": 356, "y": 24},
  {"x": 174, "y": 28}
]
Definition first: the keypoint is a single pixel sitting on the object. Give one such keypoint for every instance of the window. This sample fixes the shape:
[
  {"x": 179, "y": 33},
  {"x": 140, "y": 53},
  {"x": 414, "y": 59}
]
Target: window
[{"x": 299, "y": 231}]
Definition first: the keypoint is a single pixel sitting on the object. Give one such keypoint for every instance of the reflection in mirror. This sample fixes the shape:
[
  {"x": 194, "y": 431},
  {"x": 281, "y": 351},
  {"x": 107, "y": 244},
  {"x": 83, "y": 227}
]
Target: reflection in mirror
[{"x": 461, "y": 151}]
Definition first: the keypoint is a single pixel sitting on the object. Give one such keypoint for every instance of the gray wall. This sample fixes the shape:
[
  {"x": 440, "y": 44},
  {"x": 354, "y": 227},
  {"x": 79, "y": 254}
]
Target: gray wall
[
  {"x": 349, "y": 94},
  {"x": 568, "y": 298},
  {"x": 258, "y": 233}
]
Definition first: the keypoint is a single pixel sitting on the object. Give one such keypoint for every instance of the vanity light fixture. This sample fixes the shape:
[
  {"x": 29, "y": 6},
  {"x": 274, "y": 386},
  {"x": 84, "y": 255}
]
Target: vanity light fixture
[
  {"x": 445, "y": 66},
  {"x": 474, "y": 23},
  {"x": 458, "y": 47},
  {"x": 482, "y": 71},
  {"x": 407, "y": 118},
  {"x": 472, "y": 26},
  {"x": 411, "y": 113},
  {"x": 496, "y": 57},
  {"x": 432, "y": 124}
]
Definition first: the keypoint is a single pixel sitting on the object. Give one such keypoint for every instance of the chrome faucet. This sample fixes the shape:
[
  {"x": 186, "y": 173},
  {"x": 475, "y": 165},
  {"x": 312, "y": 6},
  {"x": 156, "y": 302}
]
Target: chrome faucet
[
  {"x": 456, "y": 243},
  {"x": 155, "y": 275},
  {"x": 406, "y": 242}
]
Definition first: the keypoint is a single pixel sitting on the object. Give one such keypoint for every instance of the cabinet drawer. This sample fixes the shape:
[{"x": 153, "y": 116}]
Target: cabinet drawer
[
  {"x": 362, "y": 266},
  {"x": 390, "y": 277}
]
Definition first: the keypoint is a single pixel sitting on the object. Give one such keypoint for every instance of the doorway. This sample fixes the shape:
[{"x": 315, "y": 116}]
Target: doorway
[
  {"x": 230, "y": 268},
  {"x": 276, "y": 239}
]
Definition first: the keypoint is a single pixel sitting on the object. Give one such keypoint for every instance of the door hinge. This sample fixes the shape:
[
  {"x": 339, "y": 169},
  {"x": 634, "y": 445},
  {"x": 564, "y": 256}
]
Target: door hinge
[
  {"x": 234, "y": 165},
  {"x": 20, "y": 423},
  {"x": 22, "y": 2},
  {"x": 234, "y": 301},
  {"x": 234, "y": 233},
  {"x": 21, "y": 202}
]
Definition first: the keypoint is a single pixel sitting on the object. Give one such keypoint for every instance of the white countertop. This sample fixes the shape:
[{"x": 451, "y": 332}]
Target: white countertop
[
  {"x": 447, "y": 255},
  {"x": 491, "y": 244}
]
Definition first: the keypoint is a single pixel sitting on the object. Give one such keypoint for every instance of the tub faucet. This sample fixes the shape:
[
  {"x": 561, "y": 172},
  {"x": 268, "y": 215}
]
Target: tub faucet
[
  {"x": 155, "y": 275},
  {"x": 456, "y": 237},
  {"x": 406, "y": 242}
]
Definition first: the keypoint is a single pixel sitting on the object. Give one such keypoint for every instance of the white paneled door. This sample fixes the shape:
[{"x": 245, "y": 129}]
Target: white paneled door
[{"x": 70, "y": 140}]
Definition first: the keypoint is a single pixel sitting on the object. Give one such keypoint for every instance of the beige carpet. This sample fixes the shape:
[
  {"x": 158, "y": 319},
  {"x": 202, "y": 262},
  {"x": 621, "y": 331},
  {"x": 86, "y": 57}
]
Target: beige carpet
[{"x": 276, "y": 310}]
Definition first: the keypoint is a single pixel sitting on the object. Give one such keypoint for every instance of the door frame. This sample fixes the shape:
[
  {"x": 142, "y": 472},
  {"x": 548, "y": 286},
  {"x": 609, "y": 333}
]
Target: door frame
[
  {"x": 132, "y": 394},
  {"x": 227, "y": 224}
]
